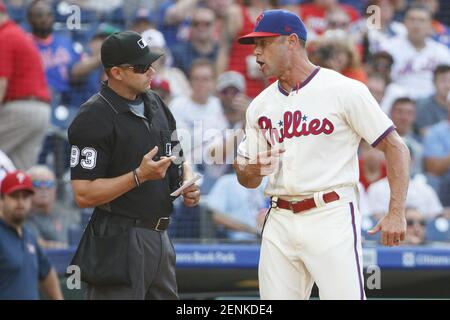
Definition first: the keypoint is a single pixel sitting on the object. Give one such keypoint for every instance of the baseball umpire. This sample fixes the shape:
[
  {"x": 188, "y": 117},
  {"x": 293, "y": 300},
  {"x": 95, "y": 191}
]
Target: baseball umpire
[
  {"x": 303, "y": 131},
  {"x": 123, "y": 163}
]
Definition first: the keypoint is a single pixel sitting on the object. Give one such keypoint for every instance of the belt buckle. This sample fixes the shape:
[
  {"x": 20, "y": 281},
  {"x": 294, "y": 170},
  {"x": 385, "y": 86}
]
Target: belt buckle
[
  {"x": 159, "y": 223},
  {"x": 292, "y": 203}
]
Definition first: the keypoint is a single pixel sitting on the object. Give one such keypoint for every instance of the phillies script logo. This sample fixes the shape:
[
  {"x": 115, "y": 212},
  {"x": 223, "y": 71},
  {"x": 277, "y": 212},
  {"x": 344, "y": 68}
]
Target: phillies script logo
[{"x": 294, "y": 125}]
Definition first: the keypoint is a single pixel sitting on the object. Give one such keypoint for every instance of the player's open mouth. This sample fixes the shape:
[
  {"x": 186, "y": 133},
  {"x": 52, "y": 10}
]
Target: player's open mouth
[{"x": 261, "y": 64}]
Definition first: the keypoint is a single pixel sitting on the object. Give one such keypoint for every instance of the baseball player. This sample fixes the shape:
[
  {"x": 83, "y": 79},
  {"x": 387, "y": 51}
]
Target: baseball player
[{"x": 303, "y": 132}]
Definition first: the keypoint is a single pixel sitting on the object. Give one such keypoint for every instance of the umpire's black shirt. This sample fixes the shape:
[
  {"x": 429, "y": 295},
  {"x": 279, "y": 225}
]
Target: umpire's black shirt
[{"x": 109, "y": 140}]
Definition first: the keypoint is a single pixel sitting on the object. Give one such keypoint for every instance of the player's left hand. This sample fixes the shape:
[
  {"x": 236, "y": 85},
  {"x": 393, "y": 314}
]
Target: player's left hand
[
  {"x": 393, "y": 229},
  {"x": 191, "y": 196}
]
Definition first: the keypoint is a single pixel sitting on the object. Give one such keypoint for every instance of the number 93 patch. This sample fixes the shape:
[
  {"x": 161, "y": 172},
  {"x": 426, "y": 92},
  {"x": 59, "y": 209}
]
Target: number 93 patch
[{"x": 87, "y": 157}]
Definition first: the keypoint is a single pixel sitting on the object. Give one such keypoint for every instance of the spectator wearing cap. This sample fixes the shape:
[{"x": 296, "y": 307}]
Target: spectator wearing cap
[
  {"x": 230, "y": 89},
  {"x": 162, "y": 87},
  {"x": 24, "y": 96},
  {"x": 201, "y": 44},
  {"x": 178, "y": 82},
  {"x": 24, "y": 268}
]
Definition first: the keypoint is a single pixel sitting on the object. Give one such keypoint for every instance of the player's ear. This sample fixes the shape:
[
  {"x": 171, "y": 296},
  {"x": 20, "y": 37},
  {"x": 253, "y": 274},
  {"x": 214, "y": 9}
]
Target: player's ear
[{"x": 293, "y": 40}]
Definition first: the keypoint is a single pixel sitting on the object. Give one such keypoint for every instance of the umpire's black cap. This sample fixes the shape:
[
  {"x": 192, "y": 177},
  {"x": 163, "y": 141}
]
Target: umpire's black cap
[{"x": 126, "y": 47}]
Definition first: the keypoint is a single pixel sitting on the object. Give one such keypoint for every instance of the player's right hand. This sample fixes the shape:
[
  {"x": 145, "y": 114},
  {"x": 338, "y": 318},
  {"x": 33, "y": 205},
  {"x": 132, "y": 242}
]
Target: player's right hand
[
  {"x": 265, "y": 163},
  {"x": 150, "y": 169}
]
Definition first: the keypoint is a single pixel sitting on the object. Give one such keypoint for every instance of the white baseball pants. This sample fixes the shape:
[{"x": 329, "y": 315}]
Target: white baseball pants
[{"x": 321, "y": 245}]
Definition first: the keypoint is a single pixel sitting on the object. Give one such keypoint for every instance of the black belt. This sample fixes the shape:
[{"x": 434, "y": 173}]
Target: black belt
[
  {"x": 152, "y": 223},
  {"x": 161, "y": 224}
]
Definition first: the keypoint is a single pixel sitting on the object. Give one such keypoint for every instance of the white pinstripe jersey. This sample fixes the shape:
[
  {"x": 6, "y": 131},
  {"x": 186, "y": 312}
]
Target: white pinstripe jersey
[{"x": 320, "y": 126}]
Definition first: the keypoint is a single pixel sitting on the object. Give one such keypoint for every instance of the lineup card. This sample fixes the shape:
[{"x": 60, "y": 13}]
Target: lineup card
[{"x": 187, "y": 184}]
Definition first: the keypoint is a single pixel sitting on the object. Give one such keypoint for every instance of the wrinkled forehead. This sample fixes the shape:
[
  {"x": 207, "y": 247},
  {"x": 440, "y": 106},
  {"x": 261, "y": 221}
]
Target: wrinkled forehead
[{"x": 262, "y": 40}]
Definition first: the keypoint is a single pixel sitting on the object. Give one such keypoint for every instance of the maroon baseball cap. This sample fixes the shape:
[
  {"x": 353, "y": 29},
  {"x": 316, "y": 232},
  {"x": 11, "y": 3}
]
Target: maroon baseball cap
[{"x": 15, "y": 181}]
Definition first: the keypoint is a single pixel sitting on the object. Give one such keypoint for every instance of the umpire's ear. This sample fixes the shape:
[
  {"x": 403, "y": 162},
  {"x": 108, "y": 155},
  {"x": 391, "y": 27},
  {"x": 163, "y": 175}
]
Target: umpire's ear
[{"x": 115, "y": 73}]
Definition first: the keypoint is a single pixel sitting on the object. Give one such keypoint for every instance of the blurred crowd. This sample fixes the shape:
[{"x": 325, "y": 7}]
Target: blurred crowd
[{"x": 50, "y": 65}]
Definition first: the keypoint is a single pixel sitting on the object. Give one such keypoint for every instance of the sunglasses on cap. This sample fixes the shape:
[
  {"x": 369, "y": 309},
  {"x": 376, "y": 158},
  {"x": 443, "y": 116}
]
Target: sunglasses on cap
[
  {"x": 43, "y": 183},
  {"x": 138, "y": 68}
]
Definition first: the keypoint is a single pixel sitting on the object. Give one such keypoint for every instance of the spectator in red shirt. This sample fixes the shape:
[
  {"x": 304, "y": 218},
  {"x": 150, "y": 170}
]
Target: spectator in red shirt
[
  {"x": 372, "y": 165},
  {"x": 240, "y": 20},
  {"x": 24, "y": 96},
  {"x": 313, "y": 14}
]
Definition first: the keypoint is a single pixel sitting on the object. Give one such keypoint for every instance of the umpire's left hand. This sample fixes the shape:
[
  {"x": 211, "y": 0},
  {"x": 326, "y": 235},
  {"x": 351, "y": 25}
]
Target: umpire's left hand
[{"x": 191, "y": 196}]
